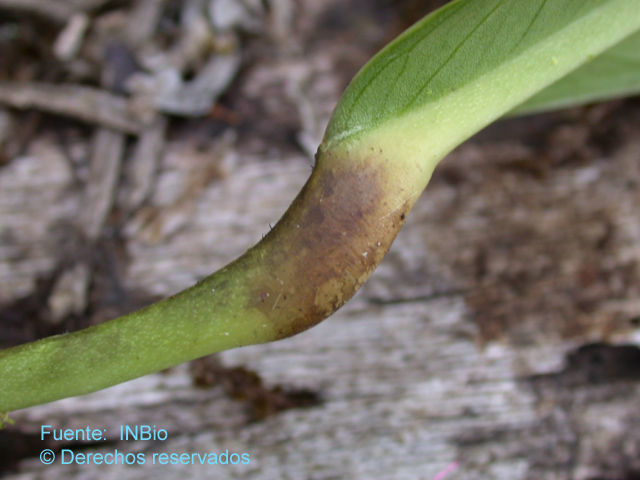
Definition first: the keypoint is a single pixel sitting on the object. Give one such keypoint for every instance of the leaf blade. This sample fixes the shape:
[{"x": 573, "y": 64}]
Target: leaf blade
[
  {"x": 465, "y": 41},
  {"x": 612, "y": 74}
]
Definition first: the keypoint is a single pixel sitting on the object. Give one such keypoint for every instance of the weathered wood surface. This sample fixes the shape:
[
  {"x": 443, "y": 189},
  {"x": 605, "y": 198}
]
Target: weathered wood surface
[
  {"x": 499, "y": 339},
  {"x": 407, "y": 381}
]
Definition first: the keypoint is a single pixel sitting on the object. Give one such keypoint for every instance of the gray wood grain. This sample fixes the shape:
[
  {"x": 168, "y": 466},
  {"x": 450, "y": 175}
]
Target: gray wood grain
[{"x": 408, "y": 386}]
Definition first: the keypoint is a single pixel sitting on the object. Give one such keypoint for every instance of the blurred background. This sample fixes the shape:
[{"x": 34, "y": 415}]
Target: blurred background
[{"x": 144, "y": 144}]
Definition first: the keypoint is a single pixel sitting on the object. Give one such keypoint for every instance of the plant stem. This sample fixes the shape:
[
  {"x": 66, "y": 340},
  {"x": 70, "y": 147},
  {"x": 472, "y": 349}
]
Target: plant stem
[
  {"x": 325, "y": 246},
  {"x": 440, "y": 82}
]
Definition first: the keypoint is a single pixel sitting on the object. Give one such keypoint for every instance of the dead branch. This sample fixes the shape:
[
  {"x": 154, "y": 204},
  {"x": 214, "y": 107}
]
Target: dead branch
[
  {"x": 84, "y": 103},
  {"x": 55, "y": 10}
]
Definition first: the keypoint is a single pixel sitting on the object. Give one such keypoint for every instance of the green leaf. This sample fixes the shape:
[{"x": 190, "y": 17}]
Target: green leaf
[
  {"x": 466, "y": 65},
  {"x": 612, "y": 74}
]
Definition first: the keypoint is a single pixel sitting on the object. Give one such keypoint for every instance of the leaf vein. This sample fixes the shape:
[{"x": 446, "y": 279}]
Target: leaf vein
[
  {"x": 405, "y": 54},
  {"x": 530, "y": 26},
  {"x": 453, "y": 53}
]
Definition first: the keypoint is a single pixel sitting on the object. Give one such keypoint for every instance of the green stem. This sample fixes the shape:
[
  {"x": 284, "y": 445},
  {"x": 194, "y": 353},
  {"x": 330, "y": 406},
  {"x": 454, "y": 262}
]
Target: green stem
[
  {"x": 440, "y": 82},
  {"x": 326, "y": 245}
]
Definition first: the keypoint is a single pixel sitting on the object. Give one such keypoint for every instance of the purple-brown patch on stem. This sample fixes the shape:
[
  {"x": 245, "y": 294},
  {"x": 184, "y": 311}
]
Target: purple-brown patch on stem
[{"x": 326, "y": 245}]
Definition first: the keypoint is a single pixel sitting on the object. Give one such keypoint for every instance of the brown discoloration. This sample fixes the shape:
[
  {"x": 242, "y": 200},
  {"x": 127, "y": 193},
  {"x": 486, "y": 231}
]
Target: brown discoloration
[
  {"x": 327, "y": 243},
  {"x": 248, "y": 387}
]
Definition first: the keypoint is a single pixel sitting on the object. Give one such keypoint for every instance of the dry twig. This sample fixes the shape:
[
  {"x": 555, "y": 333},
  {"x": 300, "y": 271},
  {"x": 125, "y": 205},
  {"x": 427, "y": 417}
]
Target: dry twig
[
  {"x": 197, "y": 97},
  {"x": 106, "y": 159},
  {"x": 145, "y": 161},
  {"x": 55, "y": 10},
  {"x": 85, "y": 103}
]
